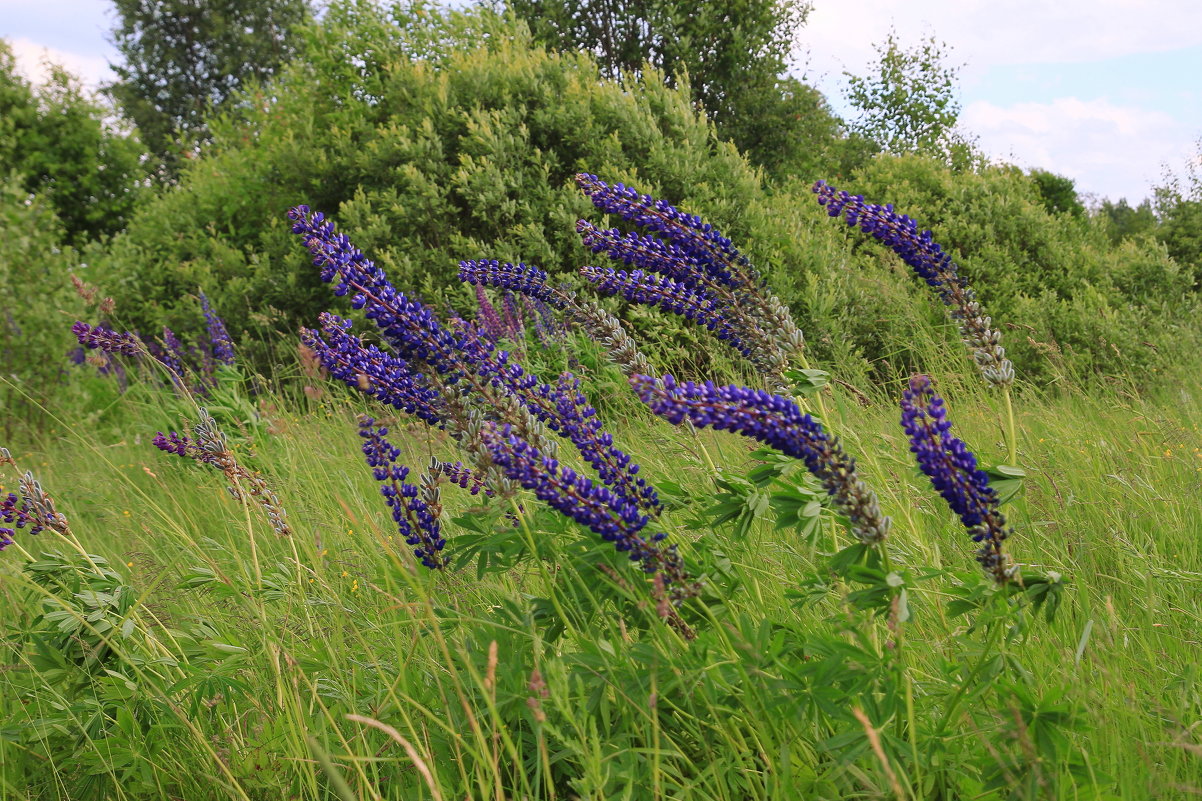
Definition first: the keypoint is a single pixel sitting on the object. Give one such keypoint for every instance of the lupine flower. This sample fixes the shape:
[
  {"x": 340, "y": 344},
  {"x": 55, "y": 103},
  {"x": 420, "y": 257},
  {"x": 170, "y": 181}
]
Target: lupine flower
[
  {"x": 219, "y": 338},
  {"x": 953, "y": 471},
  {"x": 672, "y": 296},
  {"x": 409, "y": 326},
  {"x": 603, "y": 327},
  {"x": 416, "y": 523},
  {"x": 107, "y": 339},
  {"x": 463, "y": 477},
  {"x": 605, "y": 512},
  {"x": 698, "y": 257},
  {"x": 388, "y": 378},
  {"x": 207, "y": 446},
  {"x": 928, "y": 259},
  {"x": 777, "y": 421},
  {"x": 487, "y": 317},
  {"x": 172, "y": 354},
  {"x": 715, "y": 254},
  {"x": 477, "y": 384},
  {"x": 515, "y": 328}
]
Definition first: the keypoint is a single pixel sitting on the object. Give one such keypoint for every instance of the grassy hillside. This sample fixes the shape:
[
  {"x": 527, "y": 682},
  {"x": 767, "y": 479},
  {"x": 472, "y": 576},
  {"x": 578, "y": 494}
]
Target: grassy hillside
[{"x": 326, "y": 665}]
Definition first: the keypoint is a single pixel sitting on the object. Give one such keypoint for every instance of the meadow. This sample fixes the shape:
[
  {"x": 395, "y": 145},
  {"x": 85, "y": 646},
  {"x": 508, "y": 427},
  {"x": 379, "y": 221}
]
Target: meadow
[{"x": 169, "y": 641}]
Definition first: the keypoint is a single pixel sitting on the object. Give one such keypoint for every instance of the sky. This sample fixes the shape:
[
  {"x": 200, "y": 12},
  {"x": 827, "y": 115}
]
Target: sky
[{"x": 1106, "y": 92}]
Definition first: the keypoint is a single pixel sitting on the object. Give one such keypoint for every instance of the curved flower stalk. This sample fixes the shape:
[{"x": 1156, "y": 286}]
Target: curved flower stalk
[
  {"x": 597, "y": 507},
  {"x": 603, "y": 327},
  {"x": 456, "y": 377},
  {"x": 777, "y": 421},
  {"x": 416, "y": 517},
  {"x": 931, "y": 263},
  {"x": 207, "y": 446},
  {"x": 953, "y": 471},
  {"x": 696, "y": 256}
]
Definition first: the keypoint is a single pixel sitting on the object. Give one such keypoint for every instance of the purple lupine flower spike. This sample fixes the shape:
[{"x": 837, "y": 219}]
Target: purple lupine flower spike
[
  {"x": 388, "y": 378},
  {"x": 219, "y": 338},
  {"x": 777, "y": 421},
  {"x": 935, "y": 266},
  {"x": 522, "y": 278},
  {"x": 409, "y": 326},
  {"x": 107, "y": 339},
  {"x": 412, "y": 515},
  {"x": 694, "y": 305},
  {"x": 953, "y": 471},
  {"x": 592, "y": 505},
  {"x": 486, "y": 317},
  {"x": 714, "y": 253}
]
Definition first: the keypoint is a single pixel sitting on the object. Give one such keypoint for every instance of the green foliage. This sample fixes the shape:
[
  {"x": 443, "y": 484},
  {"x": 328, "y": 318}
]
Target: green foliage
[
  {"x": 909, "y": 104},
  {"x": 35, "y": 301},
  {"x": 434, "y": 138},
  {"x": 1067, "y": 300},
  {"x": 182, "y": 59},
  {"x": 59, "y": 143},
  {"x": 733, "y": 55},
  {"x": 1127, "y": 222},
  {"x": 1058, "y": 193}
]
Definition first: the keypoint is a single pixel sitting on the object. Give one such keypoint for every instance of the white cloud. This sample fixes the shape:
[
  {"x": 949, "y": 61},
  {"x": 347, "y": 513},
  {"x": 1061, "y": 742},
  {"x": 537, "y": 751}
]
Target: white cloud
[
  {"x": 1114, "y": 151},
  {"x": 32, "y": 59},
  {"x": 986, "y": 33}
]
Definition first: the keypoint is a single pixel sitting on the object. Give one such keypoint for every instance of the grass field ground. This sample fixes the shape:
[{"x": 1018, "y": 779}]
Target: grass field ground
[{"x": 326, "y": 665}]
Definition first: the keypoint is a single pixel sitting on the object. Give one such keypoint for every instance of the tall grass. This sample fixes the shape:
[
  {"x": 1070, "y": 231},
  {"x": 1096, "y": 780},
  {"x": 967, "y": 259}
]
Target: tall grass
[{"x": 327, "y": 665}]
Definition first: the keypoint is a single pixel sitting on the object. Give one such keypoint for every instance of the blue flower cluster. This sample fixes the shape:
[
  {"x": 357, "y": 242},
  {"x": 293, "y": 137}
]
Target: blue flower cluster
[
  {"x": 953, "y": 471},
  {"x": 705, "y": 277},
  {"x": 191, "y": 369},
  {"x": 410, "y": 327},
  {"x": 705, "y": 247},
  {"x": 523, "y": 278},
  {"x": 219, "y": 337},
  {"x": 695, "y": 305},
  {"x": 934, "y": 265},
  {"x": 415, "y": 522},
  {"x": 386, "y": 377},
  {"x": 17, "y": 513},
  {"x": 777, "y": 421},
  {"x": 458, "y": 378},
  {"x": 605, "y": 512},
  {"x": 107, "y": 339}
]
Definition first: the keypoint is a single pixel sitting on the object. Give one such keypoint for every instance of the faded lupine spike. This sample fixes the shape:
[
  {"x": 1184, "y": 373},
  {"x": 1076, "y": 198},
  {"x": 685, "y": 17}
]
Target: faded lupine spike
[
  {"x": 935, "y": 266},
  {"x": 416, "y": 521},
  {"x": 777, "y": 421},
  {"x": 107, "y": 339},
  {"x": 219, "y": 337},
  {"x": 605, "y": 512},
  {"x": 714, "y": 253},
  {"x": 208, "y": 447},
  {"x": 953, "y": 471},
  {"x": 40, "y": 506}
]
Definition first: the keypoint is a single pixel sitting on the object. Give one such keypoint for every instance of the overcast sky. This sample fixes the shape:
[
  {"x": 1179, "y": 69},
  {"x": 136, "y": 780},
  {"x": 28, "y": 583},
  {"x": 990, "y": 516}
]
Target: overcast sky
[{"x": 1107, "y": 92}]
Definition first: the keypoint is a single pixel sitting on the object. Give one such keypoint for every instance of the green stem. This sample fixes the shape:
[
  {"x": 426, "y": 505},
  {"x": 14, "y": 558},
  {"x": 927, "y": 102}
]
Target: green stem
[
  {"x": 995, "y": 630},
  {"x": 1011, "y": 435},
  {"x": 559, "y": 610}
]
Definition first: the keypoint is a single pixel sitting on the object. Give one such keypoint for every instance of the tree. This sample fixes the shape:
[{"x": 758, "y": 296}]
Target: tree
[
  {"x": 184, "y": 58},
  {"x": 56, "y": 140},
  {"x": 909, "y": 105},
  {"x": 1126, "y": 221},
  {"x": 1179, "y": 206},
  {"x": 734, "y": 54},
  {"x": 1059, "y": 194}
]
